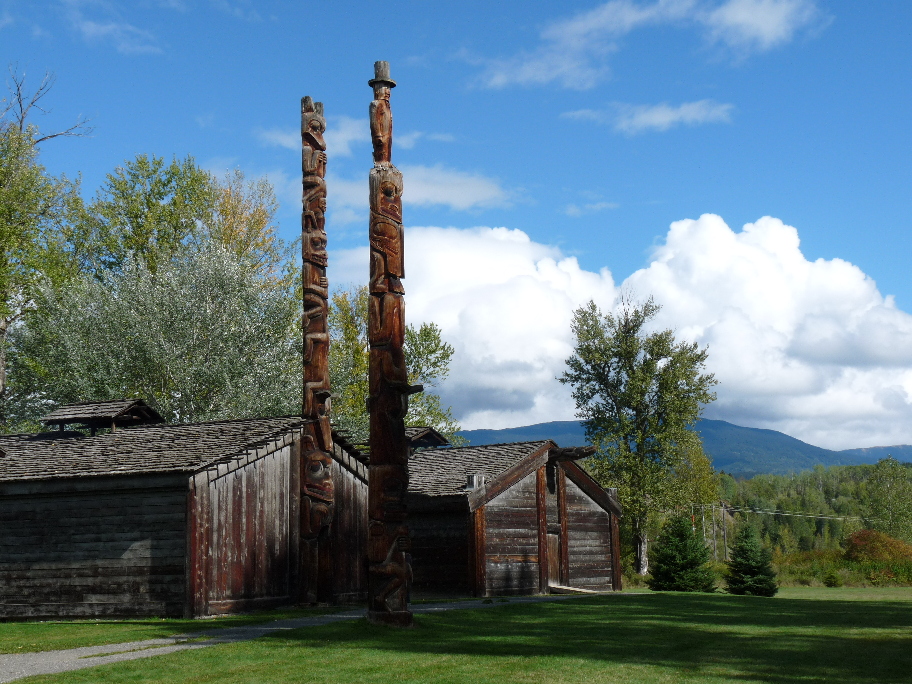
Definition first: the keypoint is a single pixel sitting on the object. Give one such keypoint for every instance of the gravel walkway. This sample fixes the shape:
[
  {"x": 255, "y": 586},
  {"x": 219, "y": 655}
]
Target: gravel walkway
[{"x": 18, "y": 665}]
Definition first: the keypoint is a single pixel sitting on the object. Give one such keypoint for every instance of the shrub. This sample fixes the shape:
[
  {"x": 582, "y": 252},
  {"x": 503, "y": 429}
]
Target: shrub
[
  {"x": 871, "y": 545},
  {"x": 832, "y": 579},
  {"x": 679, "y": 560},
  {"x": 750, "y": 570}
]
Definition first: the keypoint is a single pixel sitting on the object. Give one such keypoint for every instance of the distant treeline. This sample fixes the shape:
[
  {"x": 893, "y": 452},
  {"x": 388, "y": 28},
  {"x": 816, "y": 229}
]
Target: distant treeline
[{"x": 871, "y": 496}]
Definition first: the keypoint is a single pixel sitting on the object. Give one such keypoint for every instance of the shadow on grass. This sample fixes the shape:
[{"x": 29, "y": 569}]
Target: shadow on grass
[{"x": 746, "y": 638}]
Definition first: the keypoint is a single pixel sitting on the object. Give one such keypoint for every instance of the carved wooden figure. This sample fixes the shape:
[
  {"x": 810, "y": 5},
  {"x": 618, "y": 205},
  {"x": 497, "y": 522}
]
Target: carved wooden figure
[
  {"x": 317, "y": 495},
  {"x": 389, "y": 570}
]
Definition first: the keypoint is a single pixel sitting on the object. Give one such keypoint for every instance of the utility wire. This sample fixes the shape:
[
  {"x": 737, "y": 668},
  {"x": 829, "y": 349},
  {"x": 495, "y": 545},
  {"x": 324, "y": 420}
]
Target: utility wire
[{"x": 793, "y": 514}]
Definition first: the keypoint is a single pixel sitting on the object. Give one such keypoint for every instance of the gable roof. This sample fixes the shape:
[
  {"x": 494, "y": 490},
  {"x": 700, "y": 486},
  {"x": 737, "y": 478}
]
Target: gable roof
[
  {"x": 104, "y": 414},
  {"x": 442, "y": 472},
  {"x": 136, "y": 450}
]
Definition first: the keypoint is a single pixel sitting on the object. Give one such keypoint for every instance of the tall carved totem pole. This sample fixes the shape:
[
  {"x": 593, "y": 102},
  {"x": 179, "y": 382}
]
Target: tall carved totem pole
[
  {"x": 317, "y": 495},
  {"x": 390, "y": 574}
]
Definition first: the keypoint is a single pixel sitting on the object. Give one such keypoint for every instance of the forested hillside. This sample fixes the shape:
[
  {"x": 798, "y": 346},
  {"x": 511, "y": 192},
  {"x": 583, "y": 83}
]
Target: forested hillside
[{"x": 737, "y": 450}]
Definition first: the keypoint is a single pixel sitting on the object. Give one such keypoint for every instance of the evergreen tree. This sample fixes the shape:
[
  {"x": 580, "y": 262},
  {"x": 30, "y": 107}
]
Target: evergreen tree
[
  {"x": 679, "y": 559},
  {"x": 750, "y": 570}
]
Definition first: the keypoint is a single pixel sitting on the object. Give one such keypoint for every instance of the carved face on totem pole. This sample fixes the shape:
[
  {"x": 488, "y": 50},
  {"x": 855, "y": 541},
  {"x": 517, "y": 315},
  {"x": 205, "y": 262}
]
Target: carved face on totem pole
[
  {"x": 313, "y": 125},
  {"x": 318, "y": 491},
  {"x": 315, "y": 249}
]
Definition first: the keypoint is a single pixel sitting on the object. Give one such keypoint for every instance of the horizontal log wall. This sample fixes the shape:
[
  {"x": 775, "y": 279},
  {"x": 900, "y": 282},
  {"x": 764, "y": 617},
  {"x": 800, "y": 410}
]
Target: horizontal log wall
[
  {"x": 511, "y": 540},
  {"x": 93, "y": 547},
  {"x": 589, "y": 541}
]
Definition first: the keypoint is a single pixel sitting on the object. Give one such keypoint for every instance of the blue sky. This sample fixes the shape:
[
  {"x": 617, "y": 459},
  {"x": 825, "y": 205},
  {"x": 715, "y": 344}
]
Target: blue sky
[{"x": 585, "y": 128}]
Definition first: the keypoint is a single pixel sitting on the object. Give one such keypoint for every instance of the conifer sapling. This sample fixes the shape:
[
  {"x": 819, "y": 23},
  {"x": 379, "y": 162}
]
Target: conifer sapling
[
  {"x": 750, "y": 570},
  {"x": 679, "y": 559}
]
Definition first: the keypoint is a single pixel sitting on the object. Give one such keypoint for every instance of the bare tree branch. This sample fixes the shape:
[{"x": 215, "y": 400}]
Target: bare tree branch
[{"x": 21, "y": 102}]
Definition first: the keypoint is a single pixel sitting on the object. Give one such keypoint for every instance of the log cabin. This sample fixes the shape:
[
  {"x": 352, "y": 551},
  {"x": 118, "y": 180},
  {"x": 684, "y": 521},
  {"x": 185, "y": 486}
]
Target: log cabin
[{"x": 506, "y": 519}]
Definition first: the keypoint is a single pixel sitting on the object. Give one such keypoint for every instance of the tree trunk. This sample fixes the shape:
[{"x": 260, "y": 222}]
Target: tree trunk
[{"x": 642, "y": 558}]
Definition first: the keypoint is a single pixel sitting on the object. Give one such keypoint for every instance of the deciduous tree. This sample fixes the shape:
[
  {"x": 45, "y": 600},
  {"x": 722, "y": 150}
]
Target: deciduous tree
[
  {"x": 890, "y": 498},
  {"x": 200, "y": 338},
  {"x": 35, "y": 210},
  {"x": 640, "y": 394},
  {"x": 428, "y": 357}
]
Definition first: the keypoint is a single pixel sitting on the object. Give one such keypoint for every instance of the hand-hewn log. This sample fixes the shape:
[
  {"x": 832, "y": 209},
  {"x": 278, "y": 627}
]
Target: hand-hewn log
[
  {"x": 390, "y": 573},
  {"x": 317, "y": 495}
]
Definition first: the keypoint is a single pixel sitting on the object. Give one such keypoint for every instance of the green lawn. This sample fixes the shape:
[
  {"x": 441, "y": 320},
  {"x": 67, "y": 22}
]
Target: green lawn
[
  {"x": 25, "y": 637},
  {"x": 803, "y": 635}
]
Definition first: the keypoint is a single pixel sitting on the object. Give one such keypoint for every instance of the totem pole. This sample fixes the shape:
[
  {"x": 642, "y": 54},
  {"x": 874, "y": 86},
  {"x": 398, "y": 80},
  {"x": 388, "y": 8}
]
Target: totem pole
[
  {"x": 317, "y": 496},
  {"x": 389, "y": 571}
]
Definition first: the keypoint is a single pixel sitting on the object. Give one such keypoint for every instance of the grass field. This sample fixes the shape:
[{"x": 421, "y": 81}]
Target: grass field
[
  {"x": 802, "y": 635},
  {"x": 31, "y": 637}
]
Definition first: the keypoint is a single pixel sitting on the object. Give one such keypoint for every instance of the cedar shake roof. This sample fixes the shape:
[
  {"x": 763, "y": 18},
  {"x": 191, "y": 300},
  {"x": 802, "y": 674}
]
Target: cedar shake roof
[
  {"x": 120, "y": 412},
  {"x": 135, "y": 450},
  {"x": 442, "y": 472}
]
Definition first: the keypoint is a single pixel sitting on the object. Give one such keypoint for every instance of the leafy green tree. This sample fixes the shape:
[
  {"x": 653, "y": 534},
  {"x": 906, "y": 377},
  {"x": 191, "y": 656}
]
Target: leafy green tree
[
  {"x": 750, "y": 570},
  {"x": 149, "y": 211},
  {"x": 35, "y": 210},
  {"x": 427, "y": 355},
  {"x": 890, "y": 498},
  {"x": 640, "y": 394},
  {"x": 348, "y": 361},
  {"x": 200, "y": 338},
  {"x": 680, "y": 559}
]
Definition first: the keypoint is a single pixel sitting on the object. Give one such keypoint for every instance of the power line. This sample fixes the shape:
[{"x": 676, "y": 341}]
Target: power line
[{"x": 793, "y": 514}]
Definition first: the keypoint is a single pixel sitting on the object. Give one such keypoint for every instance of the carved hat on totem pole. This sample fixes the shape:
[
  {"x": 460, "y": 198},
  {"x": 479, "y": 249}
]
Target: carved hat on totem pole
[{"x": 381, "y": 75}]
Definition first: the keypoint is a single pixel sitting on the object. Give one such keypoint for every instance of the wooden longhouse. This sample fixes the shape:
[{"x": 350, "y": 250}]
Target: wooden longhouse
[
  {"x": 203, "y": 519},
  {"x": 171, "y": 520},
  {"x": 519, "y": 518}
]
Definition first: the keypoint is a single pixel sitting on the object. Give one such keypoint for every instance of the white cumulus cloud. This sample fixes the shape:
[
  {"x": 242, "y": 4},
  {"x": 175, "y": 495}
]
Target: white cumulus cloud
[
  {"x": 811, "y": 348},
  {"x": 422, "y": 186}
]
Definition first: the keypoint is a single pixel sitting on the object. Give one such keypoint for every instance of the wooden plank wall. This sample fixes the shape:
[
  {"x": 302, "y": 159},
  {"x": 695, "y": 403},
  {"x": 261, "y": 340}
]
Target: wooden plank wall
[
  {"x": 511, "y": 540},
  {"x": 347, "y": 547},
  {"x": 440, "y": 545},
  {"x": 245, "y": 533},
  {"x": 588, "y": 540},
  {"x": 93, "y": 547}
]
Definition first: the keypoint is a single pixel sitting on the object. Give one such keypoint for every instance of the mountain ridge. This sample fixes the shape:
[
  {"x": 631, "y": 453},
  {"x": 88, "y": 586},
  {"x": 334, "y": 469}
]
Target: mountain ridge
[{"x": 737, "y": 450}]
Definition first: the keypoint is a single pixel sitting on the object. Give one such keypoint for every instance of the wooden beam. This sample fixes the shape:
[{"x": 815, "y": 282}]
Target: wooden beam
[
  {"x": 477, "y": 556},
  {"x": 542, "y": 513},
  {"x": 510, "y": 477},
  {"x": 564, "y": 527},
  {"x": 593, "y": 490},
  {"x": 615, "y": 554}
]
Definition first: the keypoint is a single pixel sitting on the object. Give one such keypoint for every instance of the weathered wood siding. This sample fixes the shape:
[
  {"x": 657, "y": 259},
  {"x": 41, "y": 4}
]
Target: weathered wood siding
[
  {"x": 87, "y": 547},
  {"x": 589, "y": 540},
  {"x": 243, "y": 533},
  {"x": 440, "y": 536},
  {"x": 348, "y": 533},
  {"x": 511, "y": 540}
]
